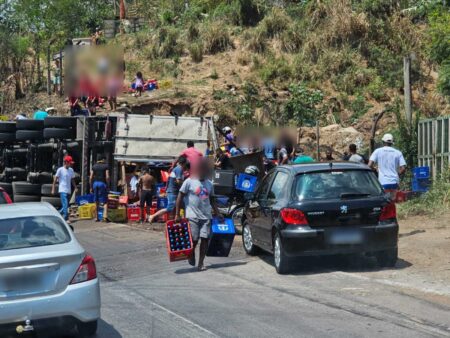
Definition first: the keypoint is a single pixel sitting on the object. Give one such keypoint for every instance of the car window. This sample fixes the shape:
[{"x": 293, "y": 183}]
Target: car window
[
  {"x": 264, "y": 187},
  {"x": 278, "y": 186},
  {"x": 2, "y": 198},
  {"x": 337, "y": 184},
  {"x": 28, "y": 232}
]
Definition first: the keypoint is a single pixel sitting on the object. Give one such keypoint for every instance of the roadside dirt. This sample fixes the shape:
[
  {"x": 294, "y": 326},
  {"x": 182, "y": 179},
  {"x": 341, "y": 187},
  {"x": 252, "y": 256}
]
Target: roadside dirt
[{"x": 423, "y": 268}]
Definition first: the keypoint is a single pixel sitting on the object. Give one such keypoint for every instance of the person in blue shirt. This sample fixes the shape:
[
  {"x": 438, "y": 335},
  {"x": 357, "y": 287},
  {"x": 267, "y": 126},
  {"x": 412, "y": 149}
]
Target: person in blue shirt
[
  {"x": 301, "y": 158},
  {"x": 269, "y": 148}
]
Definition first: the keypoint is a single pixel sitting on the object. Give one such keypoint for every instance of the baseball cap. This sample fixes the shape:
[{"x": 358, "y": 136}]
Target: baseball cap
[
  {"x": 388, "y": 138},
  {"x": 68, "y": 159}
]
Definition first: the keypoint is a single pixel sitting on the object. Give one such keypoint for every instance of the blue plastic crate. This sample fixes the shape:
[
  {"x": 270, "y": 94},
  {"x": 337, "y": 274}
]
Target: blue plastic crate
[
  {"x": 421, "y": 185},
  {"x": 246, "y": 183},
  {"x": 421, "y": 172},
  {"x": 161, "y": 203},
  {"x": 222, "y": 227},
  {"x": 85, "y": 199}
]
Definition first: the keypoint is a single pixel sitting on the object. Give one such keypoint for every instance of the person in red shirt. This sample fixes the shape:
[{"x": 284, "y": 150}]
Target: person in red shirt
[{"x": 193, "y": 155}]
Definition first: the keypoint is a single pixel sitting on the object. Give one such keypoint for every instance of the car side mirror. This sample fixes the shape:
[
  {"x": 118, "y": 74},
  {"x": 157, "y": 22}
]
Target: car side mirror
[{"x": 248, "y": 196}]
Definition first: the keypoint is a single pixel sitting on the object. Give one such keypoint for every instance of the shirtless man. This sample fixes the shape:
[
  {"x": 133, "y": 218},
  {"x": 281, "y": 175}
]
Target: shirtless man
[{"x": 147, "y": 188}]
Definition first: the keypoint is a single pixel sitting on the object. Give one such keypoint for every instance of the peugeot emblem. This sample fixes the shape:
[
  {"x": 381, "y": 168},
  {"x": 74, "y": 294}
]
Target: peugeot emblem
[{"x": 344, "y": 209}]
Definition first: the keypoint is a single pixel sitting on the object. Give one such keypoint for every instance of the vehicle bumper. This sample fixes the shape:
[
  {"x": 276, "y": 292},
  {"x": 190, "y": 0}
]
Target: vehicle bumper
[
  {"x": 304, "y": 241},
  {"x": 78, "y": 301}
]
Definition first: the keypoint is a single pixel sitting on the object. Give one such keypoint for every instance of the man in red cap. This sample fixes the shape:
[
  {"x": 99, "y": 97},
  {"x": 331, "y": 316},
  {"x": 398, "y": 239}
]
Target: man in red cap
[{"x": 65, "y": 178}]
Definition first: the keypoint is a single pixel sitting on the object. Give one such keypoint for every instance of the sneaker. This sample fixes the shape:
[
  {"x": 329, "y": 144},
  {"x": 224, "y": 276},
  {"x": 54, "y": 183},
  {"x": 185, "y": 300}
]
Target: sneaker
[{"x": 202, "y": 268}]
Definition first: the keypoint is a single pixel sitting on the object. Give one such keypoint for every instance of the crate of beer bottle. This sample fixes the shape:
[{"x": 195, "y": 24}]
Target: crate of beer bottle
[{"x": 179, "y": 240}]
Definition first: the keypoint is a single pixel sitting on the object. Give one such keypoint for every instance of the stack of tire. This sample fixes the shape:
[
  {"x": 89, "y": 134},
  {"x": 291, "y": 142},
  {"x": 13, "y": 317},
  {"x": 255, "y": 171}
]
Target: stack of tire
[
  {"x": 60, "y": 128},
  {"x": 30, "y": 130},
  {"x": 26, "y": 192},
  {"x": 47, "y": 196},
  {"x": 7, "y": 132},
  {"x": 15, "y": 162}
]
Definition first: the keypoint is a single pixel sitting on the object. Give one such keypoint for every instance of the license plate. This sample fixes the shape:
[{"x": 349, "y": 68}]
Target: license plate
[
  {"x": 345, "y": 237},
  {"x": 24, "y": 282}
]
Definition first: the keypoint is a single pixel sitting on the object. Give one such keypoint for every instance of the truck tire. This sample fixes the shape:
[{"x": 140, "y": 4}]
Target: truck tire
[
  {"x": 16, "y": 174},
  {"x": 55, "y": 201},
  {"x": 30, "y": 125},
  {"x": 46, "y": 190},
  {"x": 26, "y": 198},
  {"x": 46, "y": 147},
  {"x": 25, "y": 188},
  {"x": 7, "y": 137},
  {"x": 104, "y": 145},
  {"x": 45, "y": 177},
  {"x": 7, "y": 187},
  {"x": 60, "y": 122},
  {"x": 7, "y": 127},
  {"x": 59, "y": 133},
  {"x": 29, "y": 135}
]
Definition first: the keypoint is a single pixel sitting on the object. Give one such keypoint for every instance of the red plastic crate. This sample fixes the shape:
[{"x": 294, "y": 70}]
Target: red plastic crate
[
  {"x": 402, "y": 196},
  {"x": 173, "y": 229},
  {"x": 134, "y": 213}
]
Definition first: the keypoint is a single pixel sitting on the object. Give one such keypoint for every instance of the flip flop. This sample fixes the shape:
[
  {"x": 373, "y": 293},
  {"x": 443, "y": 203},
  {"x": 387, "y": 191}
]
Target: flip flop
[{"x": 202, "y": 268}]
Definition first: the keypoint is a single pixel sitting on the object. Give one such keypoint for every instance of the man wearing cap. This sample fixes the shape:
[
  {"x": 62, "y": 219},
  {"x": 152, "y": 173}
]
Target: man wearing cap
[
  {"x": 390, "y": 162},
  {"x": 65, "y": 178}
]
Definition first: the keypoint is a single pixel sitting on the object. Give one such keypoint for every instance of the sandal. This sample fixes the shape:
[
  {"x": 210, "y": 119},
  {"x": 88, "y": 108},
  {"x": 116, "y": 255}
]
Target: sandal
[{"x": 202, "y": 268}]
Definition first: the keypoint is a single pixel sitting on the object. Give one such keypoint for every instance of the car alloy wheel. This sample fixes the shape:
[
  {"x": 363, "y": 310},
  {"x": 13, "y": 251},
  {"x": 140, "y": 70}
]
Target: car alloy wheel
[
  {"x": 281, "y": 261},
  {"x": 247, "y": 240}
]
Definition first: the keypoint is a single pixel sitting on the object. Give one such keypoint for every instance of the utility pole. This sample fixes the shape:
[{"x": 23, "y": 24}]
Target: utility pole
[
  {"x": 318, "y": 140},
  {"x": 407, "y": 88}
]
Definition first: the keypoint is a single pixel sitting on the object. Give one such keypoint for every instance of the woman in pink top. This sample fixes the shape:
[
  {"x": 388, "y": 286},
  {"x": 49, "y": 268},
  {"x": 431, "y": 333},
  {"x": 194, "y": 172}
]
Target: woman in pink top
[{"x": 193, "y": 155}]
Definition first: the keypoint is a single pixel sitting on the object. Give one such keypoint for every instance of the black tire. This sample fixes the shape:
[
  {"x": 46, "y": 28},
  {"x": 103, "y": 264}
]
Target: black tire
[
  {"x": 104, "y": 145},
  {"x": 46, "y": 190},
  {"x": 30, "y": 125},
  {"x": 7, "y": 187},
  {"x": 55, "y": 201},
  {"x": 7, "y": 137},
  {"x": 25, "y": 188},
  {"x": 87, "y": 329},
  {"x": 26, "y": 198},
  {"x": 387, "y": 258},
  {"x": 29, "y": 135},
  {"x": 20, "y": 152},
  {"x": 236, "y": 216},
  {"x": 59, "y": 133},
  {"x": 60, "y": 122},
  {"x": 45, "y": 177},
  {"x": 46, "y": 147},
  {"x": 247, "y": 240},
  {"x": 7, "y": 127},
  {"x": 16, "y": 174},
  {"x": 281, "y": 261}
]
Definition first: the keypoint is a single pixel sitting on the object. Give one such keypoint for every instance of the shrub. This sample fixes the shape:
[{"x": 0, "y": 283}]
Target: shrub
[
  {"x": 193, "y": 32},
  {"x": 303, "y": 106},
  {"x": 275, "y": 68},
  {"x": 376, "y": 89},
  {"x": 444, "y": 79},
  {"x": 276, "y": 22},
  {"x": 439, "y": 47},
  {"x": 216, "y": 38},
  {"x": 292, "y": 39},
  {"x": 256, "y": 40},
  {"x": 214, "y": 75},
  {"x": 359, "y": 107},
  {"x": 196, "y": 51}
]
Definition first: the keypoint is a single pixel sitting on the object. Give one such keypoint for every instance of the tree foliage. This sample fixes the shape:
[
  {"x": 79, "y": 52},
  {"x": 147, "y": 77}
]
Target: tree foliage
[{"x": 303, "y": 106}]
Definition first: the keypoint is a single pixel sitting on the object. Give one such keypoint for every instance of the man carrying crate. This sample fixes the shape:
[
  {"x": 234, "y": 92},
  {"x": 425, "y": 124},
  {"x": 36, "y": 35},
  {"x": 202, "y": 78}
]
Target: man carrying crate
[{"x": 198, "y": 193}]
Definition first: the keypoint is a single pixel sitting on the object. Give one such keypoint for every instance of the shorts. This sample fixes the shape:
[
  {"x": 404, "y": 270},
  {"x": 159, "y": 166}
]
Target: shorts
[
  {"x": 171, "y": 200},
  {"x": 200, "y": 228},
  {"x": 146, "y": 198},
  {"x": 100, "y": 193}
]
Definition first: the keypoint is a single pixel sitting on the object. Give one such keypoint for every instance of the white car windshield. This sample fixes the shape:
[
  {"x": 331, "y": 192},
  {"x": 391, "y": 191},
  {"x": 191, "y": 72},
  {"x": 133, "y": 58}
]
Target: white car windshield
[{"x": 27, "y": 232}]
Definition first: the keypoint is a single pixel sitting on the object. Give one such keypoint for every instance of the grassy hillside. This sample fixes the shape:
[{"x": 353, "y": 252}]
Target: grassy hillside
[{"x": 339, "y": 61}]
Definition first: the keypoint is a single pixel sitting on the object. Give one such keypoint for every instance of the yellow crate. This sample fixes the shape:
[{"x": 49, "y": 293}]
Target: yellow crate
[
  {"x": 117, "y": 215},
  {"x": 87, "y": 211}
]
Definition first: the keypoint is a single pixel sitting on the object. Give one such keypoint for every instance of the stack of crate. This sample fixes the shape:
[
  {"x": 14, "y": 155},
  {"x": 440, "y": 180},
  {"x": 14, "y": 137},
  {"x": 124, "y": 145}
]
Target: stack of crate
[{"x": 421, "y": 179}]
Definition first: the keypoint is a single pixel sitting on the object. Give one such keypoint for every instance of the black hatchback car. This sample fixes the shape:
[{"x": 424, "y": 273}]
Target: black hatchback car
[{"x": 320, "y": 209}]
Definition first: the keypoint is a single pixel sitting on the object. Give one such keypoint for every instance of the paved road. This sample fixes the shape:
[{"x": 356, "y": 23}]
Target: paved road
[{"x": 239, "y": 296}]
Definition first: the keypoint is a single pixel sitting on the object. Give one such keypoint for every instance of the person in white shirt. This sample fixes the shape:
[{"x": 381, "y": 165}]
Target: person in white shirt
[
  {"x": 354, "y": 156},
  {"x": 65, "y": 178},
  {"x": 390, "y": 162}
]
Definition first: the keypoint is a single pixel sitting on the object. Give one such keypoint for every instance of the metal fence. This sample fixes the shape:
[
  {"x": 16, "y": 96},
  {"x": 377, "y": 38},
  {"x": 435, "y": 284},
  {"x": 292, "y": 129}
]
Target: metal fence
[{"x": 434, "y": 144}]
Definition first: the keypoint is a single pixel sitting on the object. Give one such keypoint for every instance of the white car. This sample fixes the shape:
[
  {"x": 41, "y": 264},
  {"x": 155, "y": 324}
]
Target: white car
[{"x": 47, "y": 280}]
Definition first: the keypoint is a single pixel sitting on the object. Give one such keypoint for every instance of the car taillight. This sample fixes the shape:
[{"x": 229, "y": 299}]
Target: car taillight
[
  {"x": 86, "y": 271},
  {"x": 388, "y": 212},
  {"x": 293, "y": 216}
]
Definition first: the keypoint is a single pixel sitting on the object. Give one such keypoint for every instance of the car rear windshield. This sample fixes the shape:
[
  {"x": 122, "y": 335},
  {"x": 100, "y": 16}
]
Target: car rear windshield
[
  {"x": 28, "y": 232},
  {"x": 337, "y": 185}
]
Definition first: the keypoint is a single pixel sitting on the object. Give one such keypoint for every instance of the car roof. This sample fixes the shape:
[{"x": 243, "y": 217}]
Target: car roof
[
  {"x": 321, "y": 166},
  {"x": 27, "y": 209}
]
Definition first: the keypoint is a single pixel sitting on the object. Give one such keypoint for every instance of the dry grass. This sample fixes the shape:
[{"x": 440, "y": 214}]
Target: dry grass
[
  {"x": 276, "y": 22},
  {"x": 216, "y": 37},
  {"x": 256, "y": 40}
]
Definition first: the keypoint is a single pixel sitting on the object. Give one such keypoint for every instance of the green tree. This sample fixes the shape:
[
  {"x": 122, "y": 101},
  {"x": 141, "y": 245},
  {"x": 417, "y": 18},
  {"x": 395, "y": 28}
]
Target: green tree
[{"x": 304, "y": 106}]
